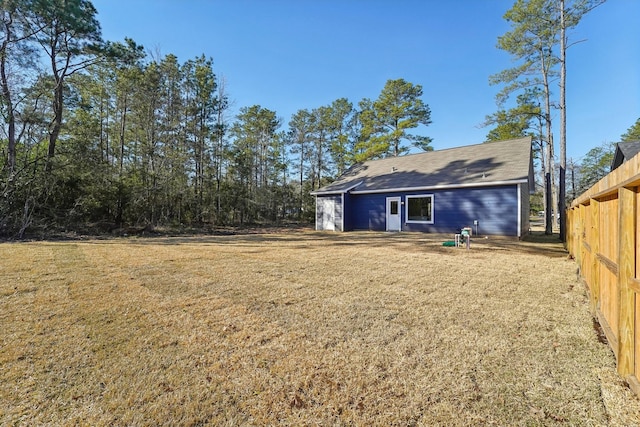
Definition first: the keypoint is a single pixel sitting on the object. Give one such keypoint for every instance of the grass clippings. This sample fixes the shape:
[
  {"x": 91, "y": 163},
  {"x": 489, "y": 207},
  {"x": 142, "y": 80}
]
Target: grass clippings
[{"x": 302, "y": 328}]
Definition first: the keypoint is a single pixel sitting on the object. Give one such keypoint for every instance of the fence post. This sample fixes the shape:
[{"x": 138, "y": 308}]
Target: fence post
[
  {"x": 585, "y": 260},
  {"x": 576, "y": 229},
  {"x": 593, "y": 237},
  {"x": 568, "y": 237},
  {"x": 626, "y": 273}
]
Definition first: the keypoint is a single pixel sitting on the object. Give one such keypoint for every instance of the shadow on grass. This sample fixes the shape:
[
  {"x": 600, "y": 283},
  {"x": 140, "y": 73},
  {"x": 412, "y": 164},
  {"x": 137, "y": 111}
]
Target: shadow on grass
[
  {"x": 541, "y": 237},
  {"x": 260, "y": 239},
  {"x": 538, "y": 243}
]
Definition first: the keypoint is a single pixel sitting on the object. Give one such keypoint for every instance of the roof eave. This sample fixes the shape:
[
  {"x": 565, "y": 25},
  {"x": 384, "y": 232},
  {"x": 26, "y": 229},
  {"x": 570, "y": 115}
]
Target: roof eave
[
  {"x": 337, "y": 191},
  {"x": 444, "y": 186}
]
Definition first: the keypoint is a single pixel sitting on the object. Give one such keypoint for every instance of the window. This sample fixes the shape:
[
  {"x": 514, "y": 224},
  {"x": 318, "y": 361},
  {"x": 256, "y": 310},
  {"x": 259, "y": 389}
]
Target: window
[
  {"x": 394, "y": 207},
  {"x": 420, "y": 208}
]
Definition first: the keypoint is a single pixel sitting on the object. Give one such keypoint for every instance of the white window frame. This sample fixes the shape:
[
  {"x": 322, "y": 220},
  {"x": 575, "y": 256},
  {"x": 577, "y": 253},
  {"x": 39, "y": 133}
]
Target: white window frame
[{"x": 419, "y": 196}]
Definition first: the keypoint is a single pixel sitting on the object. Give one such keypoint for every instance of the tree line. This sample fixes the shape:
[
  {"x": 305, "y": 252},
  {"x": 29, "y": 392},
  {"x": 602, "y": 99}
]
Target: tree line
[
  {"x": 596, "y": 164},
  {"x": 538, "y": 42},
  {"x": 108, "y": 136}
]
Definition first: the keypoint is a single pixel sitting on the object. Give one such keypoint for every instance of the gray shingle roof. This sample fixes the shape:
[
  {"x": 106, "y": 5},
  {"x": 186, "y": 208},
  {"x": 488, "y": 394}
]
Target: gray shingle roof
[
  {"x": 472, "y": 165},
  {"x": 624, "y": 151}
]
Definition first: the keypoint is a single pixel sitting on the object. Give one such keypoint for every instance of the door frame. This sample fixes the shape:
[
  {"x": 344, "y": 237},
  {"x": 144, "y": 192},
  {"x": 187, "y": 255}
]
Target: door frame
[{"x": 388, "y": 215}]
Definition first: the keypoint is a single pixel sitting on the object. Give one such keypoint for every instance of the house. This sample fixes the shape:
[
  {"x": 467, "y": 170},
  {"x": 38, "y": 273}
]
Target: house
[
  {"x": 484, "y": 186},
  {"x": 624, "y": 151}
]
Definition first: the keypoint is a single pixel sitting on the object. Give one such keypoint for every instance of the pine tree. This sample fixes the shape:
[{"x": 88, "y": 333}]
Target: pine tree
[
  {"x": 387, "y": 120},
  {"x": 632, "y": 134}
]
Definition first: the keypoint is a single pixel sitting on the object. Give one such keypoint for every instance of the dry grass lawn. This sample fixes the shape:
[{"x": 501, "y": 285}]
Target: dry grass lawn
[{"x": 300, "y": 328}]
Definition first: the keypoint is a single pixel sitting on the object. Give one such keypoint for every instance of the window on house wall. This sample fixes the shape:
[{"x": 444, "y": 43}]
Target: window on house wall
[{"x": 420, "y": 208}]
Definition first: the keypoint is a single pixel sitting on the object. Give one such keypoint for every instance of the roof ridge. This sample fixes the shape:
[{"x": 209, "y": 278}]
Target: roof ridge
[
  {"x": 486, "y": 143},
  {"x": 523, "y": 139}
]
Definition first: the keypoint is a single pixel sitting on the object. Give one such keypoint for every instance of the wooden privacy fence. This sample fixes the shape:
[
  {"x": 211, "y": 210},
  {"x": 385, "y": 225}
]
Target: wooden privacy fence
[{"x": 603, "y": 235}]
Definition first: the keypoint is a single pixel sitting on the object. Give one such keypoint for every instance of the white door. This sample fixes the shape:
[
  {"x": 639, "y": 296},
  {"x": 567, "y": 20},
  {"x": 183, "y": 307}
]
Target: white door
[
  {"x": 328, "y": 214},
  {"x": 393, "y": 214}
]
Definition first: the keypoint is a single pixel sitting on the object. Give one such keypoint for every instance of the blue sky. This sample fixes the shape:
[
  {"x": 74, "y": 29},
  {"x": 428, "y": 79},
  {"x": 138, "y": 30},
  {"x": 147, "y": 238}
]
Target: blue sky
[{"x": 287, "y": 55}]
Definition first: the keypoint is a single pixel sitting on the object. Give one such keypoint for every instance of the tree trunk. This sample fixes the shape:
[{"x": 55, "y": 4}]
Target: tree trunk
[
  {"x": 548, "y": 224},
  {"x": 6, "y": 96},
  {"x": 548, "y": 212},
  {"x": 120, "y": 205},
  {"x": 301, "y": 207},
  {"x": 56, "y": 125},
  {"x": 574, "y": 193},
  {"x": 563, "y": 125},
  {"x": 220, "y": 154}
]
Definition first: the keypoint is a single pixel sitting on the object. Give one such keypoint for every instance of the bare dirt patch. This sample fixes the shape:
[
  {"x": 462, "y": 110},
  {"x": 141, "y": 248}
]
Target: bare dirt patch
[{"x": 300, "y": 328}]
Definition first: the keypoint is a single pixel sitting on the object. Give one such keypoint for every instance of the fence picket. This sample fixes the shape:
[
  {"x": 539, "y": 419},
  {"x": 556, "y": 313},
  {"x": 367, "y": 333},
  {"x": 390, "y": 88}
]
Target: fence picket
[{"x": 604, "y": 239}]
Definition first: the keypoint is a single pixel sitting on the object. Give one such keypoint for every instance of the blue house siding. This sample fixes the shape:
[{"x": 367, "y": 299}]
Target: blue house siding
[
  {"x": 525, "y": 210},
  {"x": 347, "y": 224},
  {"x": 495, "y": 209},
  {"x": 369, "y": 211}
]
